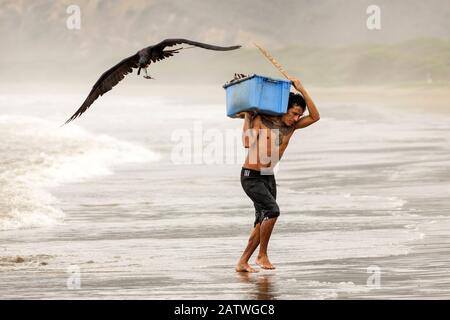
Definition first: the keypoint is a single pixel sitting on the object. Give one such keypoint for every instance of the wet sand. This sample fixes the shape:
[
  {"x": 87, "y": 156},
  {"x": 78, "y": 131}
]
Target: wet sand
[{"x": 365, "y": 187}]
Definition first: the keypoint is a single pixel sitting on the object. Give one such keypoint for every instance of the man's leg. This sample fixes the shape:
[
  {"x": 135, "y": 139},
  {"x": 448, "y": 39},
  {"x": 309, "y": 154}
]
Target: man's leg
[
  {"x": 266, "y": 231},
  {"x": 253, "y": 242}
]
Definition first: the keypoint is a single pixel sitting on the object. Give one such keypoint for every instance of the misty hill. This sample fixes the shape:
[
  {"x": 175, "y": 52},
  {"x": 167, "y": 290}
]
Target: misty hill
[
  {"x": 324, "y": 42},
  {"x": 419, "y": 61}
]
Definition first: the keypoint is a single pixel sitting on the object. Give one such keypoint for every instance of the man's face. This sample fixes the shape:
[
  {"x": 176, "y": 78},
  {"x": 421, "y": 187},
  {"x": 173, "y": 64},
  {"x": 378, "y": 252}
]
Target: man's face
[{"x": 292, "y": 115}]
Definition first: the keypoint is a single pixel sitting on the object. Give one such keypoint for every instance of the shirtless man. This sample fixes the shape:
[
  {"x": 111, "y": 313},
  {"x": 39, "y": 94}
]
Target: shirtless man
[{"x": 257, "y": 178}]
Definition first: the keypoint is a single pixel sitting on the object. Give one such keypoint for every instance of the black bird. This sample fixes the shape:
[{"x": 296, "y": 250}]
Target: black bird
[{"x": 142, "y": 59}]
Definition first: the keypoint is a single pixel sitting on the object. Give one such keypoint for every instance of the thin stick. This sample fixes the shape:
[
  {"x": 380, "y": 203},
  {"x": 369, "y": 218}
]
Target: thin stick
[{"x": 274, "y": 62}]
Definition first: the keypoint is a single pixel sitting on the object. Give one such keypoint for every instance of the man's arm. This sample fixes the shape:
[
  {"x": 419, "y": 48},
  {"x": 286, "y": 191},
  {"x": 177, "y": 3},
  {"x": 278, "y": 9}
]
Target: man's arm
[
  {"x": 249, "y": 131},
  {"x": 314, "y": 115}
]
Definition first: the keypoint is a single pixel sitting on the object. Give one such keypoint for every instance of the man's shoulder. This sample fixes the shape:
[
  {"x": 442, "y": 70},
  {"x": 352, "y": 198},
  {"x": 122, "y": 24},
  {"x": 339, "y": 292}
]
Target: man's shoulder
[
  {"x": 269, "y": 116},
  {"x": 270, "y": 121}
]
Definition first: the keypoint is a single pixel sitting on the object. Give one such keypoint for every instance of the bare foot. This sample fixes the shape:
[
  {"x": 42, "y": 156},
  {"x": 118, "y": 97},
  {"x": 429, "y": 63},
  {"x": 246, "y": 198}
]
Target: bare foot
[
  {"x": 263, "y": 262},
  {"x": 244, "y": 267}
]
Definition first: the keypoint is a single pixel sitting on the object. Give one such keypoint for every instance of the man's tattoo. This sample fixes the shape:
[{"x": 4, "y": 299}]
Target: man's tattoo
[{"x": 276, "y": 123}]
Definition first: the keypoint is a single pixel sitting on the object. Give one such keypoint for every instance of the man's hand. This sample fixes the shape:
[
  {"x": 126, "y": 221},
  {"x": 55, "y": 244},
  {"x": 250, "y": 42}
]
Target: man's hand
[
  {"x": 297, "y": 84},
  {"x": 251, "y": 113},
  {"x": 241, "y": 114}
]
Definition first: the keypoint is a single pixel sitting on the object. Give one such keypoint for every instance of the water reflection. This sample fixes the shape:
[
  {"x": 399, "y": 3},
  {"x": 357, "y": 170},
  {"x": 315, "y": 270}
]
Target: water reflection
[{"x": 263, "y": 284}]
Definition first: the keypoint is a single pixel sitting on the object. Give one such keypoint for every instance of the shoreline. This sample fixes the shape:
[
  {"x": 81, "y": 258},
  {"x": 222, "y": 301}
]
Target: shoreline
[
  {"x": 416, "y": 99},
  {"x": 435, "y": 99}
]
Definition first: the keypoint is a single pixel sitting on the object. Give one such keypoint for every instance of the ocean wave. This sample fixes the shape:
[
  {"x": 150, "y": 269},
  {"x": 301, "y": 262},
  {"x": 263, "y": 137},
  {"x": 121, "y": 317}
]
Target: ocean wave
[{"x": 36, "y": 154}]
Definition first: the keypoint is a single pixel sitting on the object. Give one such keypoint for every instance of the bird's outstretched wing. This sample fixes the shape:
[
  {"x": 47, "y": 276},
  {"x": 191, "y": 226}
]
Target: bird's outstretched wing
[
  {"x": 164, "y": 54},
  {"x": 154, "y": 53},
  {"x": 157, "y": 52},
  {"x": 173, "y": 42},
  {"x": 106, "y": 82}
]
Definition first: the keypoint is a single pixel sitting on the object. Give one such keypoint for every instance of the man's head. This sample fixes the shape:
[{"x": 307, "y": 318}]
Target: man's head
[{"x": 296, "y": 108}]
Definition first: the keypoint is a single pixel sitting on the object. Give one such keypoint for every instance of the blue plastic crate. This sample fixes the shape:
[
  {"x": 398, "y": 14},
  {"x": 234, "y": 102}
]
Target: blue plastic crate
[{"x": 263, "y": 94}]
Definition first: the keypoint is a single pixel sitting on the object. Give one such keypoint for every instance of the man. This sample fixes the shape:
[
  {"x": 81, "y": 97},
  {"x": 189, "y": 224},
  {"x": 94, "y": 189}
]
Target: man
[{"x": 267, "y": 137}]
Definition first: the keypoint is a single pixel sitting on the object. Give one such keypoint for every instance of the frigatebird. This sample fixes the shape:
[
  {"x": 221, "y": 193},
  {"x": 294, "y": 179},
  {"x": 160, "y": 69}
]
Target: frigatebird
[{"x": 141, "y": 60}]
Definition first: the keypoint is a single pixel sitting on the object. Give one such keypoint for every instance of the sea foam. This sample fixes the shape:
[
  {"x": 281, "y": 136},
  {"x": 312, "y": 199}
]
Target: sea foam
[{"x": 36, "y": 154}]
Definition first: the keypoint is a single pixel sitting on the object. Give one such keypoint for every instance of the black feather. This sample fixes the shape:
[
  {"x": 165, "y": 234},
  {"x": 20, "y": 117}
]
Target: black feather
[{"x": 142, "y": 59}]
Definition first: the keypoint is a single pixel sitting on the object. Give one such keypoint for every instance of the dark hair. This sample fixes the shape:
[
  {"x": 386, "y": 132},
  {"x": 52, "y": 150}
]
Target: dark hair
[{"x": 296, "y": 99}]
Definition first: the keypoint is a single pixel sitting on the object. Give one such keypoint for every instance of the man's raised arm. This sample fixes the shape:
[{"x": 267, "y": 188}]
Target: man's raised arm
[{"x": 313, "y": 115}]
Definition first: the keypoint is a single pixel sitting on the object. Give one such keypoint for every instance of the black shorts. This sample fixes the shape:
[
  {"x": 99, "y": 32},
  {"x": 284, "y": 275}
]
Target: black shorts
[{"x": 262, "y": 190}]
